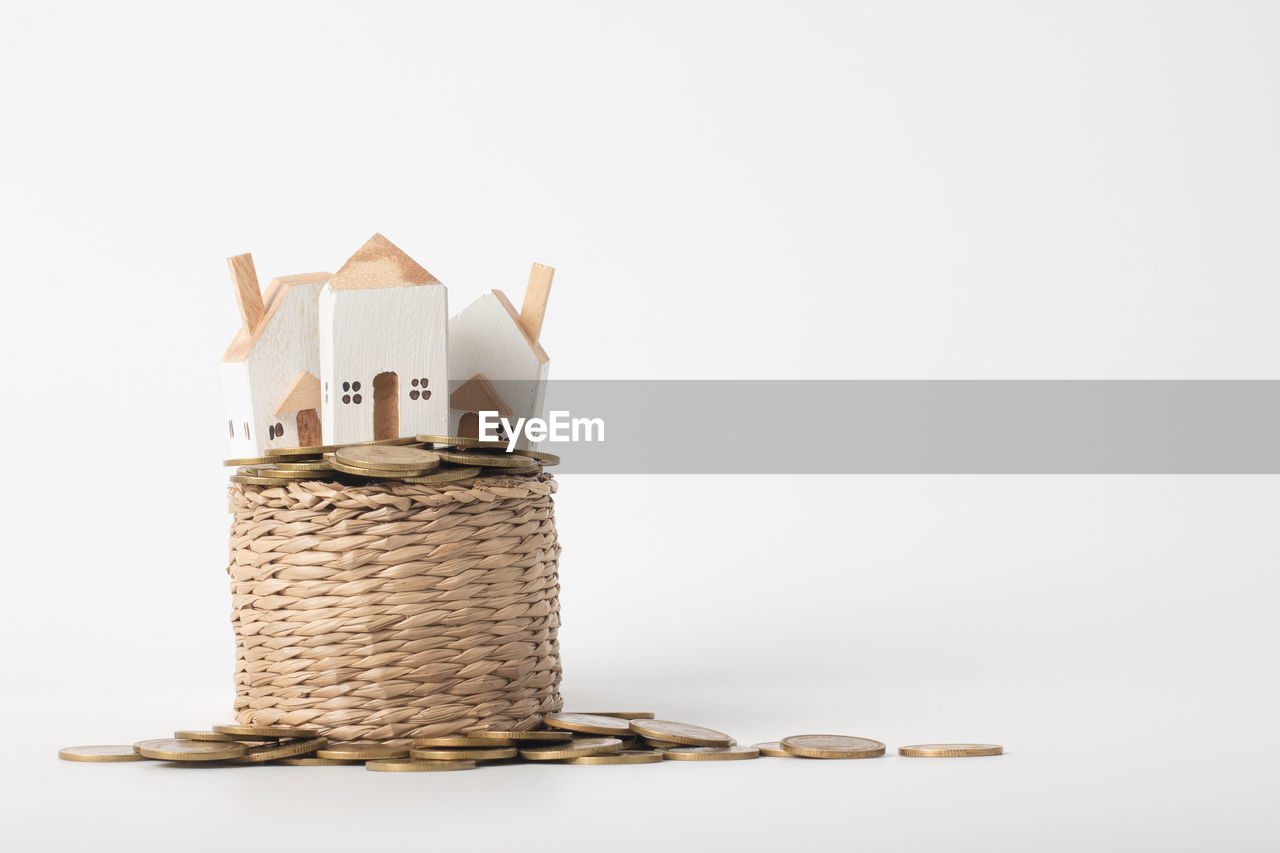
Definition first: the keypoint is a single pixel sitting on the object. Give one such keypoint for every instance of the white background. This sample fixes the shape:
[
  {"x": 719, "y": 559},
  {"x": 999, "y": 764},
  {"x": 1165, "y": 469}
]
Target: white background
[{"x": 736, "y": 190}]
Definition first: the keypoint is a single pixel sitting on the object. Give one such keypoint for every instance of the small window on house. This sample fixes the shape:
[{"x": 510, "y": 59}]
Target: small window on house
[
  {"x": 246, "y": 430},
  {"x": 231, "y": 427},
  {"x": 271, "y": 431},
  {"x": 280, "y": 429}
]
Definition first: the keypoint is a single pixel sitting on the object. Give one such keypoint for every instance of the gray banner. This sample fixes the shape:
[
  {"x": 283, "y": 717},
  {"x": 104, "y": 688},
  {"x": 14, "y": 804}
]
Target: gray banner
[{"x": 920, "y": 427}]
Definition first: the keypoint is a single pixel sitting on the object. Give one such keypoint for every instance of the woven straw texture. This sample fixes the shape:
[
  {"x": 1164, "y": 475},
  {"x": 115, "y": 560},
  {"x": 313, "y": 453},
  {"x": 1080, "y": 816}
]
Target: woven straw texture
[{"x": 394, "y": 611}]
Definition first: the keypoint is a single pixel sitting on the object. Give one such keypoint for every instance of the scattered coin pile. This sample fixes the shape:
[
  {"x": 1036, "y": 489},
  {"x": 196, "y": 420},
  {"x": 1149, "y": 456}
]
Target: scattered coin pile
[
  {"x": 414, "y": 459},
  {"x": 603, "y": 737}
]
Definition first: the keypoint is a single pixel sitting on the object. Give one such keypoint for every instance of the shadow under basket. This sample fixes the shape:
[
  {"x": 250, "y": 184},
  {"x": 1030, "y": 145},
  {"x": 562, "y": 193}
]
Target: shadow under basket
[{"x": 391, "y": 611}]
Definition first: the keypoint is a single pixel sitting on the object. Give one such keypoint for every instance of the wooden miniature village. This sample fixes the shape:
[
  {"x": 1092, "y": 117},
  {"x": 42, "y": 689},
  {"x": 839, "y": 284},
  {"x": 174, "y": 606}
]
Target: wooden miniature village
[{"x": 370, "y": 353}]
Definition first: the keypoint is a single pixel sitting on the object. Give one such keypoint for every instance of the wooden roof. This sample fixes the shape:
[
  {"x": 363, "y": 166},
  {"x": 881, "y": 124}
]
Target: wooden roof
[
  {"x": 477, "y": 394},
  {"x": 379, "y": 263},
  {"x": 303, "y": 393},
  {"x": 277, "y": 290}
]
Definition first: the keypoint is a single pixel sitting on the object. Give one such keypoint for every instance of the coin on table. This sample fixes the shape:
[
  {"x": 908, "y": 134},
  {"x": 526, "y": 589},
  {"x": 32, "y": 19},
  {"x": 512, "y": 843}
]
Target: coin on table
[
  {"x": 625, "y": 715},
  {"x": 409, "y": 765},
  {"x": 314, "y": 761},
  {"x": 627, "y": 756},
  {"x": 950, "y": 750},
  {"x": 660, "y": 744},
  {"x": 684, "y": 734},
  {"x": 240, "y": 732},
  {"x": 487, "y": 458},
  {"x": 175, "y": 749},
  {"x": 710, "y": 753},
  {"x": 773, "y": 749},
  {"x": 592, "y": 724},
  {"x": 413, "y": 461},
  {"x": 196, "y": 734},
  {"x": 274, "y": 453},
  {"x": 104, "y": 753},
  {"x": 573, "y": 749},
  {"x": 461, "y": 741},
  {"x": 448, "y": 475},
  {"x": 461, "y": 441},
  {"x": 462, "y": 753},
  {"x": 280, "y": 749},
  {"x": 355, "y": 751},
  {"x": 522, "y": 737},
  {"x": 832, "y": 746}
]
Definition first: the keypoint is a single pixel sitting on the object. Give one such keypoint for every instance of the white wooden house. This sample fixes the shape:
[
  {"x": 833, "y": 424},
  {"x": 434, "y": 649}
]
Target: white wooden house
[
  {"x": 321, "y": 359},
  {"x": 278, "y": 341},
  {"x": 383, "y": 348},
  {"x": 489, "y": 342}
]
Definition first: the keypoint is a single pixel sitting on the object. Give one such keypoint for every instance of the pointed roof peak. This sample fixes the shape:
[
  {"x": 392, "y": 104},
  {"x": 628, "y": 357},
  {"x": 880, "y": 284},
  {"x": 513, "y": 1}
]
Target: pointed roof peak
[{"x": 377, "y": 264}]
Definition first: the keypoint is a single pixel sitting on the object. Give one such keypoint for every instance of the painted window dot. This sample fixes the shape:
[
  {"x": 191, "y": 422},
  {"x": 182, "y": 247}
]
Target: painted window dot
[
  {"x": 279, "y": 428},
  {"x": 413, "y": 395},
  {"x": 346, "y": 398},
  {"x": 426, "y": 395},
  {"x": 415, "y": 383},
  {"x": 355, "y": 386},
  {"x": 231, "y": 428},
  {"x": 357, "y": 398},
  {"x": 346, "y": 386},
  {"x": 424, "y": 382}
]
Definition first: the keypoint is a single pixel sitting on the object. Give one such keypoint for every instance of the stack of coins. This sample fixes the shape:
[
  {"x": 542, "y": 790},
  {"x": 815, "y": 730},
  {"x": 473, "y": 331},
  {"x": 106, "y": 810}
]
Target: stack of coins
[
  {"x": 598, "y": 737},
  {"x": 425, "y": 459}
]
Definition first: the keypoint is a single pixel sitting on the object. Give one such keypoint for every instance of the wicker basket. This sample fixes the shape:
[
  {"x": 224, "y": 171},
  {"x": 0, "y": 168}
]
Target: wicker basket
[{"x": 392, "y": 611}]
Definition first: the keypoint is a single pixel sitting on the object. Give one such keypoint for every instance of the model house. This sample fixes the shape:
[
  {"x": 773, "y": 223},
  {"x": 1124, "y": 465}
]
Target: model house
[
  {"x": 335, "y": 359},
  {"x": 495, "y": 359}
]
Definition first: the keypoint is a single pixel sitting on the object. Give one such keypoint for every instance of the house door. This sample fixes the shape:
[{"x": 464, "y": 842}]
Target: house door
[
  {"x": 309, "y": 428},
  {"x": 386, "y": 406}
]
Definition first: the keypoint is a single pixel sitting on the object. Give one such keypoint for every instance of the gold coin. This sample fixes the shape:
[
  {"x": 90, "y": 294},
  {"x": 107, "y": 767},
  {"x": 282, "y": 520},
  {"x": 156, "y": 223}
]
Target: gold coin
[
  {"x": 409, "y": 765},
  {"x": 272, "y": 472},
  {"x": 625, "y": 715},
  {"x": 661, "y": 744},
  {"x": 684, "y": 734},
  {"x": 832, "y": 746},
  {"x": 486, "y": 458},
  {"x": 280, "y": 749},
  {"x": 315, "y": 761},
  {"x": 317, "y": 450},
  {"x": 250, "y": 480},
  {"x": 195, "y": 734},
  {"x": 462, "y": 753},
  {"x": 446, "y": 475},
  {"x": 573, "y": 749},
  {"x": 627, "y": 756},
  {"x": 521, "y": 737},
  {"x": 544, "y": 458},
  {"x": 950, "y": 750},
  {"x": 773, "y": 749},
  {"x": 592, "y": 724},
  {"x": 361, "y": 751},
  {"x": 373, "y": 473},
  {"x": 250, "y": 460},
  {"x": 413, "y": 461},
  {"x": 265, "y": 732},
  {"x": 461, "y": 441},
  {"x": 461, "y": 741},
  {"x": 711, "y": 753},
  {"x": 523, "y": 470},
  {"x": 318, "y": 467},
  {"x": 175, "y": 749},
  {"x": 100, "y": 754}
]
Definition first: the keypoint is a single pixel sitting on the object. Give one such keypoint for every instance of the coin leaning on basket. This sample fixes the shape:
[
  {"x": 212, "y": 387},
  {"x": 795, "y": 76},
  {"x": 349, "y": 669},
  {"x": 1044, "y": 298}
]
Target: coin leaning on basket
[{"x": 420, "y": 460}]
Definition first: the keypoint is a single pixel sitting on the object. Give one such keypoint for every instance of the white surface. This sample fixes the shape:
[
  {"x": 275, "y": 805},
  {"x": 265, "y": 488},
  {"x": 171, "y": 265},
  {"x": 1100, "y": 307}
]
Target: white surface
[{"x": 1062, "y": 190}]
